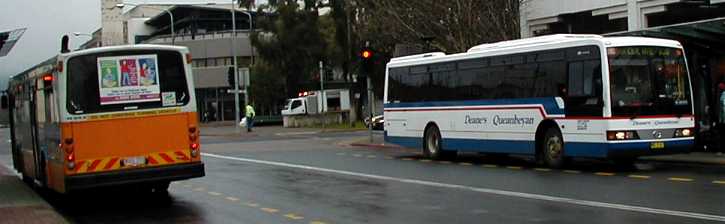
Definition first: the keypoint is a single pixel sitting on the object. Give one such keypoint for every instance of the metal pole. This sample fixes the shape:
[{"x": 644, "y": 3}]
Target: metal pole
[
  {"x": 236, "y": 74},
  {"x": 370, "y": 107},
  {"x": 251, "y": 53},
  {"x": 171, "y": 15},
  {"x": 322, "y": 92}
]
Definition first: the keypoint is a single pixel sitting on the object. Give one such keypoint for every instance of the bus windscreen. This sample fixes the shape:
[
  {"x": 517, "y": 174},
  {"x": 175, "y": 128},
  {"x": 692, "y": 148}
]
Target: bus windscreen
[
  {"x": 125, "y": 80},
  {"x": 648, "y": 81}
]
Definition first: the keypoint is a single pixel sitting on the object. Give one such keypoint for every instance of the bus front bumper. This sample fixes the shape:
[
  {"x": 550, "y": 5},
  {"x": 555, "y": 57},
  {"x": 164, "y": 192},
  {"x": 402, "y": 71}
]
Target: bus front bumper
[
  {"x": 135, "y": 176},
  {"x": 626, "y": 150}
]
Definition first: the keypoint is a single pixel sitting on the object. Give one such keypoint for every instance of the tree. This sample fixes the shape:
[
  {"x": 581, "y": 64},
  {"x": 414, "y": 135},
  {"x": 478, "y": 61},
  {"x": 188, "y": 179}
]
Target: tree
[{"x": 291, "y": 42}]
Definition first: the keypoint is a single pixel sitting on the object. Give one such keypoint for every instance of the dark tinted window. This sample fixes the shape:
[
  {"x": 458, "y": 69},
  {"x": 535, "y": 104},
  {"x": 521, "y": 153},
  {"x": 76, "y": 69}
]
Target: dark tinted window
[
  {"x": 83, "y": 89},
  {"x": 534, "y": 74},
  {"x": 584, "y": 81}
]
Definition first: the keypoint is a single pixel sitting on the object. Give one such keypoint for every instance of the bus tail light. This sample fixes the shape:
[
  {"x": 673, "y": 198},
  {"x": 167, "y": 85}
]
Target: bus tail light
[
  {"x": 194, "y": 149},
  {"x": 70, "y": 157},
  {"x": 622, "y": 135},
  {"x": 683, "y": 132},
  {"x": 194, "y": 138}
]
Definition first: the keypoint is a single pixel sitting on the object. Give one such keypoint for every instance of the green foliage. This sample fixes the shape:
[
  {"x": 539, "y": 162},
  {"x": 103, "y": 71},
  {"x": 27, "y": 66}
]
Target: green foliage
[
  {"x": 266, "y": 87},
  {"x": 291, "y": 43}
]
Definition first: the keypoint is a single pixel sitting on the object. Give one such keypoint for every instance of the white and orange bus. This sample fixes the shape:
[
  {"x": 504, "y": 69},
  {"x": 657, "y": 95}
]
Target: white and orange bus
[{"x": 122, "y": 115}]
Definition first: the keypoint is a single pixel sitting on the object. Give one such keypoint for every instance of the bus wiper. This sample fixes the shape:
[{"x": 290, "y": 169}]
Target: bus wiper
[{"x": 75, "y": 107}]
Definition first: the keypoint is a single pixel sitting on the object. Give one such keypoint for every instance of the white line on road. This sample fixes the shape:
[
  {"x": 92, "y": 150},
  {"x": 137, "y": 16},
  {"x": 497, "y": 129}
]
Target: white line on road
[
  {"x": 297, "y": 133},
  {"x": 541, "y": 197}
]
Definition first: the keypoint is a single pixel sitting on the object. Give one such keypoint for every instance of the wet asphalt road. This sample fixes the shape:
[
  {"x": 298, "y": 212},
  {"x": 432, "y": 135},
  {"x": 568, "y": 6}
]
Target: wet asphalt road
[{"x": 311, "y": 178}]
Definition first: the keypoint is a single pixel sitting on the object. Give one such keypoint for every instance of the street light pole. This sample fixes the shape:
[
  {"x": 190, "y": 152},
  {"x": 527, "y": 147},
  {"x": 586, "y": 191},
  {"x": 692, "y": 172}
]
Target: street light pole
[
  {"x": 171, "y": 16},
  {"x": 236, "y": 74},
  {"x": 251, "y": 54}
]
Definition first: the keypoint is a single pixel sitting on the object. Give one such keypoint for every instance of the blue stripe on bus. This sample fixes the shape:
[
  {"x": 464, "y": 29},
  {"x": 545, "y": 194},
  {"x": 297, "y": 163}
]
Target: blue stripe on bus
[
  {"x": 549, "y": 104},
  {"x": 572, "y": 149}
]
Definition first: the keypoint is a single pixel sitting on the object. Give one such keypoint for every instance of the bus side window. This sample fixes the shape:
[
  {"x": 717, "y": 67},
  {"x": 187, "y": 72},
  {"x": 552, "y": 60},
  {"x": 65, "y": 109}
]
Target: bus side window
[{"x": 4, "y": 101}]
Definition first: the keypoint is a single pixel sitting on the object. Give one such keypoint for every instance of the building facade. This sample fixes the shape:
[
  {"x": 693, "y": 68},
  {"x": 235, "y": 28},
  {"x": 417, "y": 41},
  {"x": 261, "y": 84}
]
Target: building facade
[
  {"x": 205, "y": 29},
  {"x": 698, "y": 25}
]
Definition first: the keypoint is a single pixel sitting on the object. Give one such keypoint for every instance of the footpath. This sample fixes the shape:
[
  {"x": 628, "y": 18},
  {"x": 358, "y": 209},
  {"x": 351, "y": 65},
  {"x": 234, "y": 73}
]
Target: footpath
[
  {"x": 20, "y": 204},
  {"x": 707, "y": 158},
  {"x": 227, "y": 129}
]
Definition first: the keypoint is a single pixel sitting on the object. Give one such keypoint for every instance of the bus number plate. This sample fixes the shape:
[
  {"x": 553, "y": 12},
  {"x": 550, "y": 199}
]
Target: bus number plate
[
  {"x": 657, "y": 145},
  {"x": 134, "y": 161}
]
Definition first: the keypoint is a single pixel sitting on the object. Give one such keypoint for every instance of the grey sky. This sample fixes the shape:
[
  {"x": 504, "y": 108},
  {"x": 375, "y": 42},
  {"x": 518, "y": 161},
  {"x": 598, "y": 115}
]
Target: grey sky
[{"x": 47, "y": 21}]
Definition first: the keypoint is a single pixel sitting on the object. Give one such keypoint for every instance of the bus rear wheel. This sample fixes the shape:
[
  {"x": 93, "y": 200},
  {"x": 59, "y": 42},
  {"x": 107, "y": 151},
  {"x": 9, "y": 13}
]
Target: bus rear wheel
[
  {"x": 553, "y": 148},
  {"x": 432, "y": 145}
]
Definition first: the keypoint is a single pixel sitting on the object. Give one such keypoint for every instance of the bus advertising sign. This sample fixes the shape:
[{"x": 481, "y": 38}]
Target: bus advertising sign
[{"x": 128, "y": 79}]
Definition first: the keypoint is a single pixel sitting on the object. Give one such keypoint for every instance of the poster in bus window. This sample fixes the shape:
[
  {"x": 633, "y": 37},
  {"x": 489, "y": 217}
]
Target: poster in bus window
[
  {"x": 129, "y": 72},
  {"x": 128, "y": 79},
  {"x": 109, "y": 73},
  {"x": 148, "y": 72}
]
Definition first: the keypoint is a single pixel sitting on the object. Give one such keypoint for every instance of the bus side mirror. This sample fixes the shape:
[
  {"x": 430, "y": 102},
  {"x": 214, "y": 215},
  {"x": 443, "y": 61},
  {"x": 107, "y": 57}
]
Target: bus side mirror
[{"x": 4, "y": 102}]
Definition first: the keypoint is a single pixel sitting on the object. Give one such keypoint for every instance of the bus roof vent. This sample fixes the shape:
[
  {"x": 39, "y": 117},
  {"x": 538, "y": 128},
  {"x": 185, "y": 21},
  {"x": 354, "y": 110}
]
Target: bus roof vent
[
  {"x": 418, "y": 56},
  {"x": 533, "y": 41}
]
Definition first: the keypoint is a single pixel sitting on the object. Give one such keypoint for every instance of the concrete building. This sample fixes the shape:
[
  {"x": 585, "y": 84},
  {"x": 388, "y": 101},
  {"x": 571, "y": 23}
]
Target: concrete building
[
  {"x": 698, "y": 25},
  {"x": 205, "y": 29}
]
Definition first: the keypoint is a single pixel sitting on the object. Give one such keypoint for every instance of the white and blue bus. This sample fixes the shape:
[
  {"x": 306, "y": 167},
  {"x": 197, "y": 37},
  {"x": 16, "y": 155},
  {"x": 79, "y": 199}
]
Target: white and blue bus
[{"x": 552, "y": 97}]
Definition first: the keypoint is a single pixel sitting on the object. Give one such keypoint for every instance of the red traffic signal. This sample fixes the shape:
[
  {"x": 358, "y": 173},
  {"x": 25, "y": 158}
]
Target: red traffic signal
[{"x": 367, "y": 54}]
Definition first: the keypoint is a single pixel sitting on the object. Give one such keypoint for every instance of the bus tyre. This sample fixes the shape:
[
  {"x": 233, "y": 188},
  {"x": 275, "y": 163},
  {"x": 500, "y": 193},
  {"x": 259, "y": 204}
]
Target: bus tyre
[
  {"x": 160, "y": 188},
  {"x": 432, "y": 145},
  {"x": 553, "y": 148}
]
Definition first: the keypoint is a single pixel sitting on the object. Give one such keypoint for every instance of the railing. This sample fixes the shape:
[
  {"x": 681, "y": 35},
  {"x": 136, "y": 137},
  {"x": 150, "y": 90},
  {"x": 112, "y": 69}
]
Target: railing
[{"x": 199, "y": 36}]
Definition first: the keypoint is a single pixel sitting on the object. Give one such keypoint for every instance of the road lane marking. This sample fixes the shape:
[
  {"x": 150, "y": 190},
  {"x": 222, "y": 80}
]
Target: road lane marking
[
  {"x": 406, "y": 159},
  {"x": 317, "y": 222},
  {"x": 541, "y": 197},
  {"x": 542, "y": 169},
  {"x": 680, "y": 179},
  {"x": 293, "y": 216},
  {"x": 425, "y": 160},
  {"x": 214, "y": 193},
  {"x": 251, "y": 204},
  {"x": 719, "y": 182},
  {"x": 199, "y": 189},
  {"x": 372, "y": 156},
  {"x": 490, "y": 166},
  {"x": 269, "y": 210},
  {"x": 389, "y": 157},
  {"x": 445, "y": 162},
  {"x": 232, "y": 198},
  {"x": 604, "y": 174},
  {"x": 572, "y": 171},
  {"x": 638, "y": 176},
  {"x": 340, "y": 154},
  {"x": 514, "y": 167},
  {"x": 297, "y": 133},
  {"x": 356, "y": 155}
]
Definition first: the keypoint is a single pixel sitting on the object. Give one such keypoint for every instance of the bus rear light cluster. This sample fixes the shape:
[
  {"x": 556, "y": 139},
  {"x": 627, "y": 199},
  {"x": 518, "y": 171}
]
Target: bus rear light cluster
[
  {"x": 70, "y": 157},
  {"x": 622, "y": 135},
  {"x": 194, "y": 139},
  {"x": 684, "y": 132}
]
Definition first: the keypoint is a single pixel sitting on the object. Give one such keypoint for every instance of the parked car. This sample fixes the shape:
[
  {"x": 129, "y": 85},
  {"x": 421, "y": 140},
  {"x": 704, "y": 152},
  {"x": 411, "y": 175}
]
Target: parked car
[{"x": 378, "y": 122}]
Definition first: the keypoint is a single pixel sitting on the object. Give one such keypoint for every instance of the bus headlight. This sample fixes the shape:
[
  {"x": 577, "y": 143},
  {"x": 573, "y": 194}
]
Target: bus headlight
[
  {"x": 622, "y": 135},
  {"x": 683, "y": 132}
]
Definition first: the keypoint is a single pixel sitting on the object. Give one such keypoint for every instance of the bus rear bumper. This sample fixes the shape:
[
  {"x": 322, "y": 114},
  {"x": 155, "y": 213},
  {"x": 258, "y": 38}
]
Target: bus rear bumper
[
  {"x": 135, "y": 176},
  {"x": 627, "y": 150}
]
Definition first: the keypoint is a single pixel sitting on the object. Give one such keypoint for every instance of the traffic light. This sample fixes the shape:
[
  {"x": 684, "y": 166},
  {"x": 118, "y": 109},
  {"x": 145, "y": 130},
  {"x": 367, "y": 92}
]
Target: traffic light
[
  {"x": 230, "y": 76},
  {"x": 367, "y": 65}
]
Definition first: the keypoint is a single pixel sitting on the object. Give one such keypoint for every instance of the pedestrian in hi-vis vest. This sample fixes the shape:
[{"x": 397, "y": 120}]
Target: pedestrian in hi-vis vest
[{"x": 250, "y": 117}]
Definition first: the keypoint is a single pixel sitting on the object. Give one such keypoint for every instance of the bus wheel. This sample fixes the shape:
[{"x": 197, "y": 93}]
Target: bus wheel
[
  {"x": 160, "y": 188},
  {"x": 553, "y": 150},
  {"x": 432, "y": 145}
]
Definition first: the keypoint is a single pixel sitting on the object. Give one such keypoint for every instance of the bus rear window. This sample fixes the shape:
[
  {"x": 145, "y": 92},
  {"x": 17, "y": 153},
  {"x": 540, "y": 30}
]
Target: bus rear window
[{"x": 126, "y": 80}]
